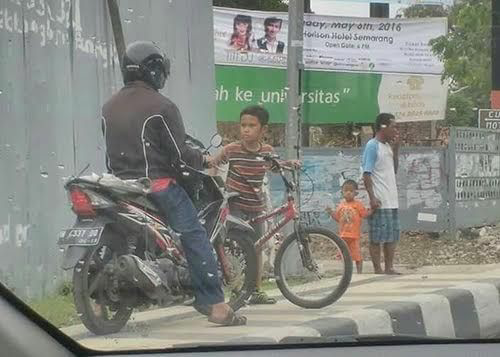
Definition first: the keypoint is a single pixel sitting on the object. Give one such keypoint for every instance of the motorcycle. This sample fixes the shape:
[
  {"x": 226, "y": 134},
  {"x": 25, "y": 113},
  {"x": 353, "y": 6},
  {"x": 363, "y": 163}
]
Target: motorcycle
[{"x": 124, "y": 256}]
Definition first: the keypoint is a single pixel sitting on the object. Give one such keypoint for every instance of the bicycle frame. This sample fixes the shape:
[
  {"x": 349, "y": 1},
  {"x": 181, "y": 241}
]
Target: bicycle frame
[{"x": 289, "y": 212}]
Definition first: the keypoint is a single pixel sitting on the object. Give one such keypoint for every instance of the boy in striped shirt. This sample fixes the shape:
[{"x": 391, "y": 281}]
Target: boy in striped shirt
[{"x": 246, "y": 174}]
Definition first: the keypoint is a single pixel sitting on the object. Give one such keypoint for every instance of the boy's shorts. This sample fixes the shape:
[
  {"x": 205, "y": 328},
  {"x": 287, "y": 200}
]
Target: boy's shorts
[
  {"x": 384, "y": 226},
  {"x": 354, "y": 248},
  {"x": 246, "y": 216}
]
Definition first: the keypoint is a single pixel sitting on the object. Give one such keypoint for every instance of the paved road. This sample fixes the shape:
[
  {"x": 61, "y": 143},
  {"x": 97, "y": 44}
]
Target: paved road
[{"x": 180, "y": 325}]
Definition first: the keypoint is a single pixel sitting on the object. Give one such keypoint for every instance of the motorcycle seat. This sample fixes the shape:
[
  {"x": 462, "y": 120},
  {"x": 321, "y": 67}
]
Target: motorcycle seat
[{"x": 111, "y": 182}]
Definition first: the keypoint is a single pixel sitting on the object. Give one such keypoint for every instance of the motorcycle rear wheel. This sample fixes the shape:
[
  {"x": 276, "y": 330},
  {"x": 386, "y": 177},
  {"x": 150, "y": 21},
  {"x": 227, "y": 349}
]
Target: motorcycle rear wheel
[{"x": 94, "y": 303}]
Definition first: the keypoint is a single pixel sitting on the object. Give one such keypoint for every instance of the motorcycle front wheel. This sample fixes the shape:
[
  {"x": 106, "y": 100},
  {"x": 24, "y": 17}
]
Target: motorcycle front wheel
[
  {"x": 238, "y": 263},
  {"x": 96, "y": 294}
]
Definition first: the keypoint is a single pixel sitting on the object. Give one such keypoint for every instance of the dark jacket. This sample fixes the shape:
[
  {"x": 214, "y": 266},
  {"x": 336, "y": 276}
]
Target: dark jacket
[{"x": 144, "y": 134}]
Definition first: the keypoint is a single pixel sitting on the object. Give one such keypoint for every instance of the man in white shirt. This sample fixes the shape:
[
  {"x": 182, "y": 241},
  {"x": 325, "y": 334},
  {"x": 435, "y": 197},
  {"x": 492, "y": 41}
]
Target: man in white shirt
[
  {"x": 269, "y": 43},
  {"x": 380, "y": 164}
]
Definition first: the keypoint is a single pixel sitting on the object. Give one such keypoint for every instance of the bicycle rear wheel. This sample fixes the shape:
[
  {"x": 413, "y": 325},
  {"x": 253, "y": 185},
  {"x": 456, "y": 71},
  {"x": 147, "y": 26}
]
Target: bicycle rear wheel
[{"x": 313, "y": 270}]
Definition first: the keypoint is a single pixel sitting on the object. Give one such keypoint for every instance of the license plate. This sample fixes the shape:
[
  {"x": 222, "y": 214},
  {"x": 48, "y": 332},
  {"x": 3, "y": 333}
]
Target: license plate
[{"x": 80, "y": 236}]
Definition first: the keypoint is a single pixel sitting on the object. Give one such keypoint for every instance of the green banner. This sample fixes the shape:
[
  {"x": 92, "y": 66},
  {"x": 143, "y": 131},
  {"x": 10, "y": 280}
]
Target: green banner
[{"x": 328, "y": 97}]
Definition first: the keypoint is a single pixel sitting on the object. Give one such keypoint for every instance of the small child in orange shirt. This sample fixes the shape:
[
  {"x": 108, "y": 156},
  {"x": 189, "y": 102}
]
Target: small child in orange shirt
[{"x": 349, "y": 214}]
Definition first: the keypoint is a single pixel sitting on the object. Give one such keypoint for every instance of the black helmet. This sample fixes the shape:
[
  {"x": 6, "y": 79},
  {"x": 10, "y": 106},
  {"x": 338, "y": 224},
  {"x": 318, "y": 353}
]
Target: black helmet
[{"x": 144, "y": 61}]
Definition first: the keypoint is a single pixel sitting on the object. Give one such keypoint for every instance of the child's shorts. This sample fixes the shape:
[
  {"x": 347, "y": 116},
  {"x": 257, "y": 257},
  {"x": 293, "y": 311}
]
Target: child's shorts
[{"x": 354, "y": 248}]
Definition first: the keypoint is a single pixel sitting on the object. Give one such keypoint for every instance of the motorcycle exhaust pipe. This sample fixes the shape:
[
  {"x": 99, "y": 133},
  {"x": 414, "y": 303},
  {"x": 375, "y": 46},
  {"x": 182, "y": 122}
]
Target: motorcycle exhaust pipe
[{"x": 132, "y": 269}]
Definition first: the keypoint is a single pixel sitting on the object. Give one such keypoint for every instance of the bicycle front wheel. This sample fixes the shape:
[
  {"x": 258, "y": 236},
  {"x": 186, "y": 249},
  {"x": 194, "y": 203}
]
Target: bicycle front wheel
[{"x": 313, "y": 268}]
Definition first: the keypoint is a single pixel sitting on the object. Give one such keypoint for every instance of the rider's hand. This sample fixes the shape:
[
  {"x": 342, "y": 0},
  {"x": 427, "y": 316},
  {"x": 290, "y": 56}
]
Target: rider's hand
[
  {"x": 329, "y": 210},
  {"x": 207, "y": 161}
]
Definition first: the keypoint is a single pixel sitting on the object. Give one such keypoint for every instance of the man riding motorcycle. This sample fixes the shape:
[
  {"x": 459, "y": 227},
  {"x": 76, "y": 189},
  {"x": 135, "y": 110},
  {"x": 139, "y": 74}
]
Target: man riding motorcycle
[{"x": 145, "y": 137}]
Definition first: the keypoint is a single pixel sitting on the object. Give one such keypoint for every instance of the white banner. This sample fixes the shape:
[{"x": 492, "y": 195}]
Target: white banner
[
  {"x": 376, "y": 45},
  {"x": 413, "y": 98}
]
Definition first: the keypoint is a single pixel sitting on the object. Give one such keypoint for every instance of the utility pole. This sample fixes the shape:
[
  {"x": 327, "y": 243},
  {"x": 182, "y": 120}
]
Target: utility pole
[
  {"x": 295, "y": 66},
  {"x": 495, "y": 54},
  {"x": 304, "y": 132}
]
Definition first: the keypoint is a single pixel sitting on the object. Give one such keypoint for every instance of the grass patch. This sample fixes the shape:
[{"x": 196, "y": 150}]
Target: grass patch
[
  {"x": 58, "y": 309},
  {"x": 268, "y": 285}
]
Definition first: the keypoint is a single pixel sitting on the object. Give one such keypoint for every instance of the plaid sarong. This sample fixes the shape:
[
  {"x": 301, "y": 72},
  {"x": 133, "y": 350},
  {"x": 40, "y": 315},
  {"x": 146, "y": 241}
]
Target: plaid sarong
[{"x": 384, "y": 226}]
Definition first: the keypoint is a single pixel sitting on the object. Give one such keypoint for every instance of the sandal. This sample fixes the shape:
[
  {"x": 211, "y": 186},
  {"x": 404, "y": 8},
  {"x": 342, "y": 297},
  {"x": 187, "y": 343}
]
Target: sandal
[
  {"x": 261, "y": 298},
  {"x": 232, "y": 319}
]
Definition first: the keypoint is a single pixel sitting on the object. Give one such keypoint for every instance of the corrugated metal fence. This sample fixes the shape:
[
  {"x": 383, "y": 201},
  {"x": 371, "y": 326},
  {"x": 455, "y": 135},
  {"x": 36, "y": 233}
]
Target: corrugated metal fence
[
  {"x": 475, "y": 180},
  {"x": 57, "y": 66}
]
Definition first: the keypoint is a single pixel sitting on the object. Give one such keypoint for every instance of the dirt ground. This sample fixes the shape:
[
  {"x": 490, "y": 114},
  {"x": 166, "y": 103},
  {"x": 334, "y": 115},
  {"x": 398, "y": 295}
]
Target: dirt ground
[{"x": 474, "y": 246}]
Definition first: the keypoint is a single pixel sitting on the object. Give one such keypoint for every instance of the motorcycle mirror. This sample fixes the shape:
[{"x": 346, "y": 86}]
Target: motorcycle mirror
[{"x": 216, "y": 140}]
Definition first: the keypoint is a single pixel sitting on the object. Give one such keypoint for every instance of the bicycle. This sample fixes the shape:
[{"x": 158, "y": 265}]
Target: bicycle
[{"x": 293, "y": 274}]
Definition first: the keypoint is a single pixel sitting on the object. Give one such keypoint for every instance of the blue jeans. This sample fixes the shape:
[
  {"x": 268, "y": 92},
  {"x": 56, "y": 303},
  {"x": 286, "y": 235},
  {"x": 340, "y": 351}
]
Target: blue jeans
[{"x": 179, "y": 212}]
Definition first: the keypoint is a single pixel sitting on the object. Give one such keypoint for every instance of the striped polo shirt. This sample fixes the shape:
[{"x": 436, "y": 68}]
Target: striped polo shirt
[{"x": 245, "y": 175}]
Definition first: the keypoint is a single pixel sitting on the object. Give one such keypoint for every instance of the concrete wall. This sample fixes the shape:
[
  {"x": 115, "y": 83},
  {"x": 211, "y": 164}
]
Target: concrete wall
[
  {"x": 439, "y": 188},
  {"x": 421, "y": 179}
]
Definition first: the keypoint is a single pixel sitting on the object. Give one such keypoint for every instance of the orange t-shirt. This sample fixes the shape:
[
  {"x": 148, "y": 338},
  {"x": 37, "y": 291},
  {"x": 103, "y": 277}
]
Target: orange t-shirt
[{"x": 350, "y": 216}]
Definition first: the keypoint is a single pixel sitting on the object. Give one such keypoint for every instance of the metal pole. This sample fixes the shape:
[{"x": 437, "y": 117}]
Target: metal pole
[
  {"x": 452, "y": 195},
  {"x": 116, "y": 24},
  {"x": 295, "y": 66}
]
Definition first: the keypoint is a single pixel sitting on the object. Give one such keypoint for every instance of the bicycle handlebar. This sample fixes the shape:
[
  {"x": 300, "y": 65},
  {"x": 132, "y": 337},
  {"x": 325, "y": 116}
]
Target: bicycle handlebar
[{"x": 273, "y": 159}]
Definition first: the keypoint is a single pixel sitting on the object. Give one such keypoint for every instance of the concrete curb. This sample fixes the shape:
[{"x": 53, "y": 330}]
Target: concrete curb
[
  {"x": 470, "y": 310},
  {"x": 176, "y": 313},
  {"x": 163, "y": 315}
]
